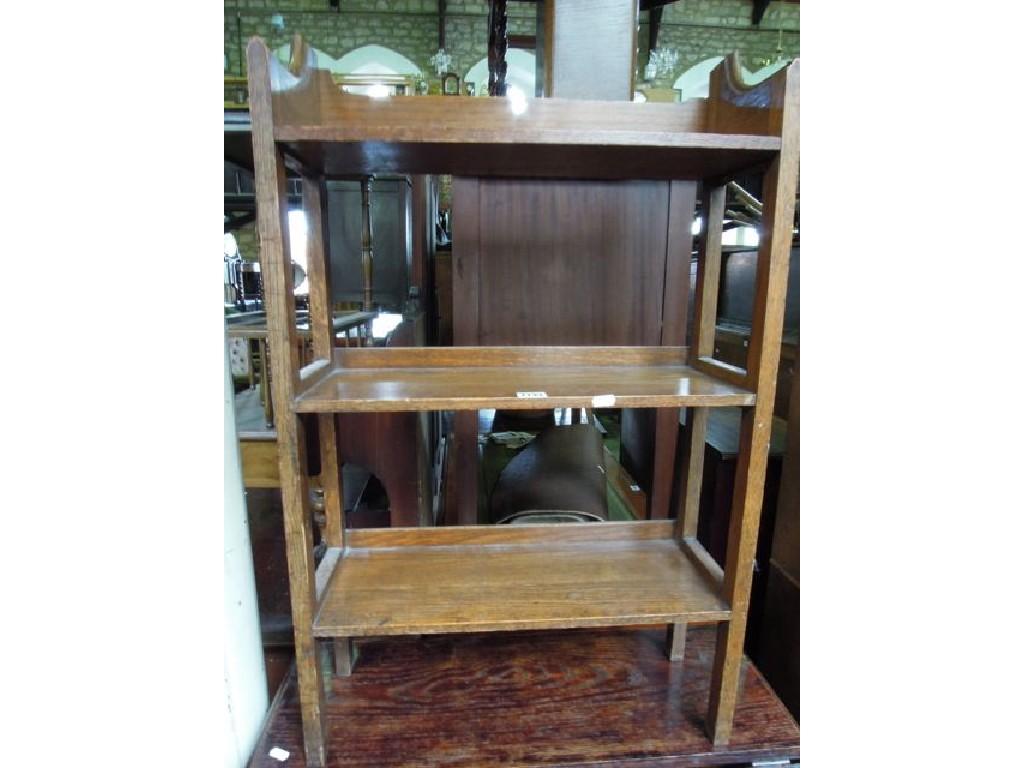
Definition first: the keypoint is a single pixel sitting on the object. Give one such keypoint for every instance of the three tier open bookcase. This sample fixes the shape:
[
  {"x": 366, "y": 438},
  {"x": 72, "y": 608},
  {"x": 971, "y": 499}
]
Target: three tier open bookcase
[{"x": 411, "y": 581}]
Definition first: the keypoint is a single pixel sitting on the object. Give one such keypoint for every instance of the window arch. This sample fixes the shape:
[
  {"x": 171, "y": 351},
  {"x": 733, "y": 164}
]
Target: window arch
[
  {"x": 365, "y": 60},
  {"x": 521, "y": 72}
]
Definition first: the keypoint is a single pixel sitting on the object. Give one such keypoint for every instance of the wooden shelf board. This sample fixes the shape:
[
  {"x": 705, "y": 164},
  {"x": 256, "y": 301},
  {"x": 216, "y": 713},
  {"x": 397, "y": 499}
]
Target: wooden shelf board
[
  {"x": 467, "y": 120},
  {"x": 549, "y": 582},
  {"x": 471, "y": 378},
  {"x": 342, "y": 134}
]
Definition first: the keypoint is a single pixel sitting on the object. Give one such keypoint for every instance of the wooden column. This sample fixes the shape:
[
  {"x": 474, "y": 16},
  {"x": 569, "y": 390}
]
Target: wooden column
[
  {"x": 275, "y": 266},
  {"x": 694, "y": 437},
  {"x": 709, "y": 270},
  {"x": 466, "y": 332},
  {"x": 497, "y": 45},
  {"x": 682, "y": 200},
  {"x": 467, "y": 462},
  {"x": 666, "y": 436},
  {"x": 755, "y": 431},
  {"x": 366, "y": 187},
  {"x": 589, "y": 48},
  {"x": 321, "y": 316}
]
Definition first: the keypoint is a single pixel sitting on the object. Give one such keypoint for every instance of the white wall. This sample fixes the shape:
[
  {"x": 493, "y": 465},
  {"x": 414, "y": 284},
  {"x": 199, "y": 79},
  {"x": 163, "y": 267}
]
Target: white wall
[{"x": 245, "y": 680}]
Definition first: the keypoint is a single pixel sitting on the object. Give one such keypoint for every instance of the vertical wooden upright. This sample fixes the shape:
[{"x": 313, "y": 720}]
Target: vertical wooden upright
[
  {"x": 275, "y": 266},
  {"x": 321, "y": 316},
  {"x": 755, "y": 430},
  {"x": 709, "y": 269},
  {"x": 466, "y": 331},
  {"x": 682, "y": 200},
  {"x": 366, "y": 187}
]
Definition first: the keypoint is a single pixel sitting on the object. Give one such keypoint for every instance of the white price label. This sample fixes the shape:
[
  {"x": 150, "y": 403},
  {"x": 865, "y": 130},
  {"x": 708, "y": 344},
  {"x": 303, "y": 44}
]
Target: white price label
[
  {"x": 531, "y": 395},
  {"x": 603, "y": 401}
]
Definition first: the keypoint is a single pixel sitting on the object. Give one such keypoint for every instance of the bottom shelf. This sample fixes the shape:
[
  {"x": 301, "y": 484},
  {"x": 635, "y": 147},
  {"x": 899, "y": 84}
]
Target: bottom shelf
[{"x": 489, "y": 578}]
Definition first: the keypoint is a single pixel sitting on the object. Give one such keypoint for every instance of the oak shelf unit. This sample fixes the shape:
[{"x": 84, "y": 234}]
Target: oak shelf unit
[{"x": 492, "y": 578}]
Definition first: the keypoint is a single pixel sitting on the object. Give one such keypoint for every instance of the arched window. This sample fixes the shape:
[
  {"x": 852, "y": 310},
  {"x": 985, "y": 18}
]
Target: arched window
[
  {"x": 521, "y": 72},
  {"x": 366, "y": 60}
]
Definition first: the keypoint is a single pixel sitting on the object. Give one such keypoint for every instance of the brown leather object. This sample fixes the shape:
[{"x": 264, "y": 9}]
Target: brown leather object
[{"x": 561, "y": 472}]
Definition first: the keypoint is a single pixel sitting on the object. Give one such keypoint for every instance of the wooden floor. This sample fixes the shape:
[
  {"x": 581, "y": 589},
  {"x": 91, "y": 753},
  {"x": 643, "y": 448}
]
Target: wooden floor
[{"x": 585, "y": 697}]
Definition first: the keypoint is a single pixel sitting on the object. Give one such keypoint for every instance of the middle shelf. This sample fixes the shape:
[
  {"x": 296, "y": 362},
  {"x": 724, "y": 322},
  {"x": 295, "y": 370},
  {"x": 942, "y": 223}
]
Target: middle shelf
[
  {"x": 471, "y": 378},
  {"x": 486, "y": 578}
]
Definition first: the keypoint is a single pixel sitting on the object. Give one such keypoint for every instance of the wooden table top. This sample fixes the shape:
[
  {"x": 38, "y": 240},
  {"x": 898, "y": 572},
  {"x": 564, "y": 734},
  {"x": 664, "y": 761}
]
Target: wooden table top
[{"x": 582, "y": 697}]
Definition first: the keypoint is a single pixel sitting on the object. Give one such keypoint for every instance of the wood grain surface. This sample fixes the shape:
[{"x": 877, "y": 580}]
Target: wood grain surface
[
  {"x": 537, "y": 533},
  {"x": 275, "y": 267},
  {"x": 300, "y": 119},
  {"x": 564, "y": 698},
  {"x": 464, "y": 388},
  {"x": 430, "y": 590},
  {"x": 756, "y": 423},
  {"x": 475, "y": 357},
  {"x": 569, "y": 262}
]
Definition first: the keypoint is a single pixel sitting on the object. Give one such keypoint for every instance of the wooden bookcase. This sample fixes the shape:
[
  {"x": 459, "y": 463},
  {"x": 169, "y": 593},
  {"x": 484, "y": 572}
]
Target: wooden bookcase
[{"x": 489, "y": 578}]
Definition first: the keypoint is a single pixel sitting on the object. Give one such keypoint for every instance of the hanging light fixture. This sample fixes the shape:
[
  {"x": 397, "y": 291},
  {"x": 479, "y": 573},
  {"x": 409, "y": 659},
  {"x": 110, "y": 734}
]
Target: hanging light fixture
[
  {"x": 661, "y": 62},
  {"x": 442, "y": 61}
]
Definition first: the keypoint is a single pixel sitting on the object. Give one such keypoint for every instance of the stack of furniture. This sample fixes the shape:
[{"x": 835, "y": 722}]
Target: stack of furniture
[{"x": 488, "y": 578}]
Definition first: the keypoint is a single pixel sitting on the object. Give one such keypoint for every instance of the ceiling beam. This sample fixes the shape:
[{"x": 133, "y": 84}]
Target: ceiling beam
[
  {"x": 757, "y": 13},
  {"x": 654, "y": 28},
  {"x": 648, "y": 5},
  {"x": 527, "y": 42},
  {"x": 442, "y": 8}
]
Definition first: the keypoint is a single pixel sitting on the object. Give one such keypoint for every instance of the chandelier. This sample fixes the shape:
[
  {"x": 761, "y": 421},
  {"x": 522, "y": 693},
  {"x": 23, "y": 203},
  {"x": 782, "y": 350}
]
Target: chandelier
[
  {"x": 442, "y": 61},
  {"x": 662, "y": 61}
]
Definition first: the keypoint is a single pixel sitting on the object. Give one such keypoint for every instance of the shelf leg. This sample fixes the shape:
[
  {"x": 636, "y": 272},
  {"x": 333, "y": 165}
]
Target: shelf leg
[
  {"x": 780, "y": 183},
  {"x": 466, "y": 469},
  {"x": 675, "y": 641},
  {"x": 695, "y": 437},
  {"x": 275, "y": 269},
  {"x": 666, "y": 436},
  {"x": 344, "y": 656}
]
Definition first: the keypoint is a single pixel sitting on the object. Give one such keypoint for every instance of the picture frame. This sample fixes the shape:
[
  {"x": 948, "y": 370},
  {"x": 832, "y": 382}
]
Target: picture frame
[{"x": 450, "y": 84}]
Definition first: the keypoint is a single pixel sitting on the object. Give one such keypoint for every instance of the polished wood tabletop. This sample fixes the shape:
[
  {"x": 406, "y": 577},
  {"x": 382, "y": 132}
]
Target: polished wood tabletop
[{"x": 576, "y": 698}]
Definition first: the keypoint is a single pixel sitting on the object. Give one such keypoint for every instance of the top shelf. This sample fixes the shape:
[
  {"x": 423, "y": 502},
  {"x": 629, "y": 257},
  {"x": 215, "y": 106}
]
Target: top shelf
[{"x": 325, "y": 131}]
